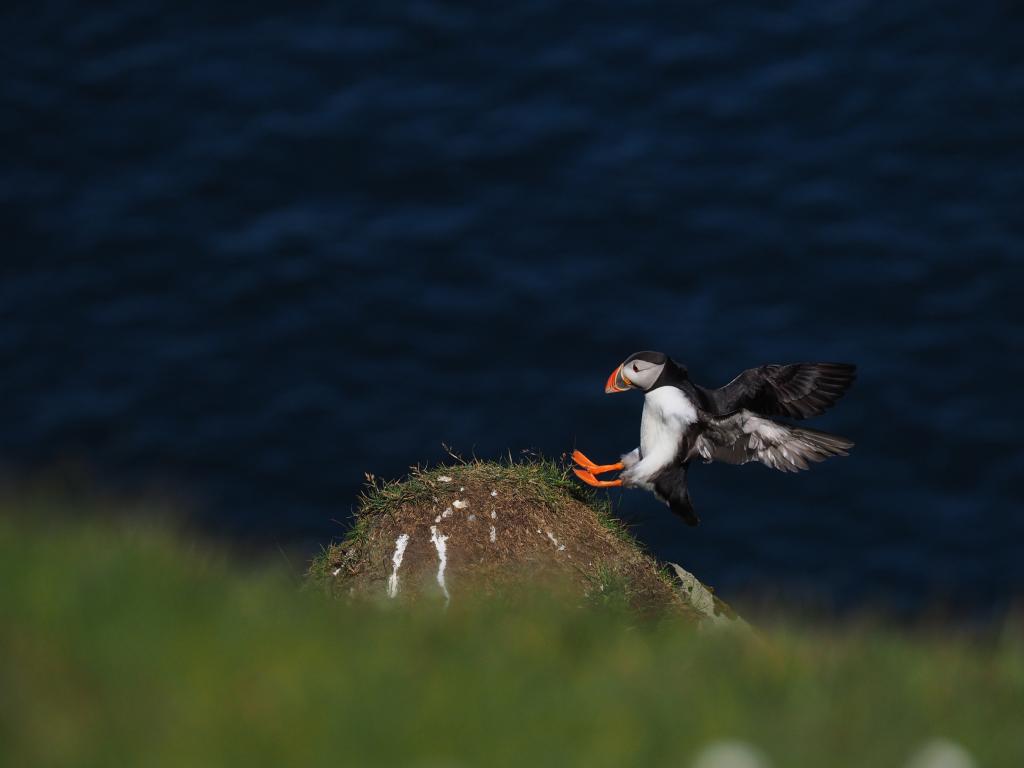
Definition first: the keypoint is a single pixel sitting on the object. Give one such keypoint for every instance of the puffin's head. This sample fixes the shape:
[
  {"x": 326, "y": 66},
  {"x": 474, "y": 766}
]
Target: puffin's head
[{"x": 640, "y": 371}]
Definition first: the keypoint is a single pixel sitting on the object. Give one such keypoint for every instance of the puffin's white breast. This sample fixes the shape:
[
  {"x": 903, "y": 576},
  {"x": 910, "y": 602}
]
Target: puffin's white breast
[{"x": 668, "y": 413}]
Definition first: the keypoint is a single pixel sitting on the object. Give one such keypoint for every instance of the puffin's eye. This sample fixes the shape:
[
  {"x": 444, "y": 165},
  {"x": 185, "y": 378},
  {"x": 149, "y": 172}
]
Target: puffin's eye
[{"x": 635, "y": 369}]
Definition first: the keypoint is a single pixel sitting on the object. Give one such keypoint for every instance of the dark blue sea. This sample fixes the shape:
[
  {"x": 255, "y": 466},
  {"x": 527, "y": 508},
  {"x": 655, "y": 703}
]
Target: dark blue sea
[{"x": 251, "y": 254}]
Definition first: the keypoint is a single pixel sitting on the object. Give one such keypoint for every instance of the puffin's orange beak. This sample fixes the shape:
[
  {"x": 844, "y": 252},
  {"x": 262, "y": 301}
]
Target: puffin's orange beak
[{"x": 617, "y": 382}]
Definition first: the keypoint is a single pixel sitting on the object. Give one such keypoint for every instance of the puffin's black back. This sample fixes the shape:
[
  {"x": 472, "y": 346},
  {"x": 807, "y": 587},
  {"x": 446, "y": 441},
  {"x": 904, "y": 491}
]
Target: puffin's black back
[
  {"x": 672, "y": 375},
  {"x": 676, "y": 375}
]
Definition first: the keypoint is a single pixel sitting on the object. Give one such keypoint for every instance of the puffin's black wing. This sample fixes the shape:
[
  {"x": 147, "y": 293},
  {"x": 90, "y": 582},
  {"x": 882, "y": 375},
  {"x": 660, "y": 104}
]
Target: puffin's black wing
[{"x": 799, "y": 391}]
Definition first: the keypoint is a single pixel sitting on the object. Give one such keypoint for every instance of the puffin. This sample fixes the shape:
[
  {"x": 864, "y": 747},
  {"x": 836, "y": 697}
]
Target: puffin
[{"x": 735, "y": 424}]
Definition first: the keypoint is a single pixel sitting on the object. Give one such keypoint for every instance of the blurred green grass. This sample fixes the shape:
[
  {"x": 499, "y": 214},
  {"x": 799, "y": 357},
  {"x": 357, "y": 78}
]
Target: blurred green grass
[{"x": 127, "y": 644}]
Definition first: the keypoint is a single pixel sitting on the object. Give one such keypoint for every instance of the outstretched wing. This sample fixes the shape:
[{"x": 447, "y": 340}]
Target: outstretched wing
[
  {"x": 798, "y": 391},
  {"x": 745, "y": 437}
]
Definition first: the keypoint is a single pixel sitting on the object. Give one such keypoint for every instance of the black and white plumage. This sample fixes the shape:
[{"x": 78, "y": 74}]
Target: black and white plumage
[{"x": 735, "y": 424}]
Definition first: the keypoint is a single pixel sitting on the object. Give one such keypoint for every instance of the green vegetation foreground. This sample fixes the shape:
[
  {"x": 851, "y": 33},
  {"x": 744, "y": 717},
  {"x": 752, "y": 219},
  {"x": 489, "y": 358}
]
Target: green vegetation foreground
[{"x": 128, "y": 645}]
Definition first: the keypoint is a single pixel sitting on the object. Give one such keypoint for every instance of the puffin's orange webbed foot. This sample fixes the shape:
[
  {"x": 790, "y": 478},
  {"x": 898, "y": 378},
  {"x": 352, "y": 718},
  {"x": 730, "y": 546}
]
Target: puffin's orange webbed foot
[
  {"x": 589, "y": 479},
  {"x": 594, "y": 469}
]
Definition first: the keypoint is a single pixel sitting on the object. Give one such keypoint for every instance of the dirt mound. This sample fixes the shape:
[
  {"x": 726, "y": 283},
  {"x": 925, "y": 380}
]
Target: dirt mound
[{"x": 483, "y": 527}]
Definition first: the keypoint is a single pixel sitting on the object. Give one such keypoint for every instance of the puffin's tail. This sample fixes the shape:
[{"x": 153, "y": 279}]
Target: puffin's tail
[{"x": 671, "y": 488}]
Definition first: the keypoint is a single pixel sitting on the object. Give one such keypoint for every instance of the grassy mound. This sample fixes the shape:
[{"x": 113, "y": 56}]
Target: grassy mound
[{"x": 498, "y": 527}]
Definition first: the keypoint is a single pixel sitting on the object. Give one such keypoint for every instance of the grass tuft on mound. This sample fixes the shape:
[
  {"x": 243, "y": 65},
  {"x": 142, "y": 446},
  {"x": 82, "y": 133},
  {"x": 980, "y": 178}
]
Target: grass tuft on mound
[{"x": 505, "y": 526}]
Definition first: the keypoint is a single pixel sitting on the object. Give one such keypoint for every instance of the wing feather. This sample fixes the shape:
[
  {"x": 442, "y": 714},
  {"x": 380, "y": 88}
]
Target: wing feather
[
  {"x": 797, "y": 391},
  {"x": 745, "y": 437}
]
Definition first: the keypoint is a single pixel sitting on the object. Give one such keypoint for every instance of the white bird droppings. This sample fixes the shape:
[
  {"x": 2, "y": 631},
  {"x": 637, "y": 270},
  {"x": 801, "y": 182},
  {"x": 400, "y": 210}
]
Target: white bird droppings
[
  {"x": 494, "y": 534},
  {"x": 437, "y": 519},
  {"x": 446, "y": 513},
  {"x": 444, "y": 479},
  {"x": 442, "y": 560},
  {"x": 494, "y": 494},
  {"x": 396, "y": 562},
  {"x": 494, "y": 515},
  {"x": 336, "y": 571},
  {"x": 461, "y": 489},
  {"x": 460, "y": 504},
  {"x": 554, "y": 541}
]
